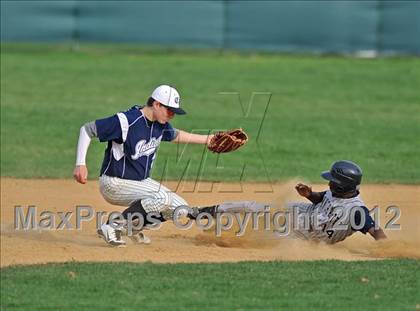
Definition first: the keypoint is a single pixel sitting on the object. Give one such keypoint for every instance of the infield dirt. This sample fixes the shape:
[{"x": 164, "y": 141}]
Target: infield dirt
[{"x": 171, "y": 245}]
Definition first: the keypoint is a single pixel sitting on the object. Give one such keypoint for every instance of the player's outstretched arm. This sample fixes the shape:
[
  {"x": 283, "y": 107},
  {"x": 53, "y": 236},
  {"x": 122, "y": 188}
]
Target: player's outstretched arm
[
  {"x": 87, "y": 131},
  {"x": 377, "y": 234},
  {"x": 190, "y": 138}
]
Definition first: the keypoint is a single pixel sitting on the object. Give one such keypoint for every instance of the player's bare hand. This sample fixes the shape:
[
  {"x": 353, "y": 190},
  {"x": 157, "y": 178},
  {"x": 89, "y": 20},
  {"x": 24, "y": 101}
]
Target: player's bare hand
[
  {"x": 80, "y": 173},
  {"x": 209, "y": 138},
  {"x": 303, "y": 190}
]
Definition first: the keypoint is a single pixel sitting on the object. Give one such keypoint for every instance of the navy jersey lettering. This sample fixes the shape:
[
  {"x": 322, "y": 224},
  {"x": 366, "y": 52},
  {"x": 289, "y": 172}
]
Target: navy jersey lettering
[{"x": 133, "y": 142}]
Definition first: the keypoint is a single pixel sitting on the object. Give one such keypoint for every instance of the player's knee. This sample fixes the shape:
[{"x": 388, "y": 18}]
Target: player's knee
[
  {"x": 178, "y": 201},
  {"x": 164, "y": 198}
]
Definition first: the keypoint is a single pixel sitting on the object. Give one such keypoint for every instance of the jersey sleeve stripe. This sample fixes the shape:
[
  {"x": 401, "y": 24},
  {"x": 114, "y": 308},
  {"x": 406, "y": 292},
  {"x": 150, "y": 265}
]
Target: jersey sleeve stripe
[{"x": 124, "y": 125}]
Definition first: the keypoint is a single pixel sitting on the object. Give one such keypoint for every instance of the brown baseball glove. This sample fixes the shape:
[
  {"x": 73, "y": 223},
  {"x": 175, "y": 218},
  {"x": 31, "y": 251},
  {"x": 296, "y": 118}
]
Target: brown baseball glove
[{"x": 227, "y": 141}]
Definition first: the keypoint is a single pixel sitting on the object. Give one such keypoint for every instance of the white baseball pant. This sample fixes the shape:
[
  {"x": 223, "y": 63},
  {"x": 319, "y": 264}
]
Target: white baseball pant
[{"x": 154, "y": 196}]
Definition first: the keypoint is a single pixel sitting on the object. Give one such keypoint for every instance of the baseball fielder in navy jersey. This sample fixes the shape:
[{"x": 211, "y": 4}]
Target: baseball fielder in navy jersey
[{"x": 133, "y": 138}]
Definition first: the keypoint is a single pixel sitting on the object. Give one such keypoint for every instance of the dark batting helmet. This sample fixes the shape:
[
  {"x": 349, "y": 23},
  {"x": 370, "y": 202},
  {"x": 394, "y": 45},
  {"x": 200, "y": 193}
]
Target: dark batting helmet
[{"x": 344, "y": 177}]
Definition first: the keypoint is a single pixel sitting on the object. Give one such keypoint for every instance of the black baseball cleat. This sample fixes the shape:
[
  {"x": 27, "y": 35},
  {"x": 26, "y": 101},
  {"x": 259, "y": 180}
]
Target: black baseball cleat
[{"x": 195, "y": 211}]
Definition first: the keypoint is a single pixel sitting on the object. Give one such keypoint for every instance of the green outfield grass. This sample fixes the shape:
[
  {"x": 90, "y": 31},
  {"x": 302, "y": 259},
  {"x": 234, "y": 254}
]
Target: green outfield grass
[
  {"x": 321, "y": 109},
  {"x": 310, "y": 285}
]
